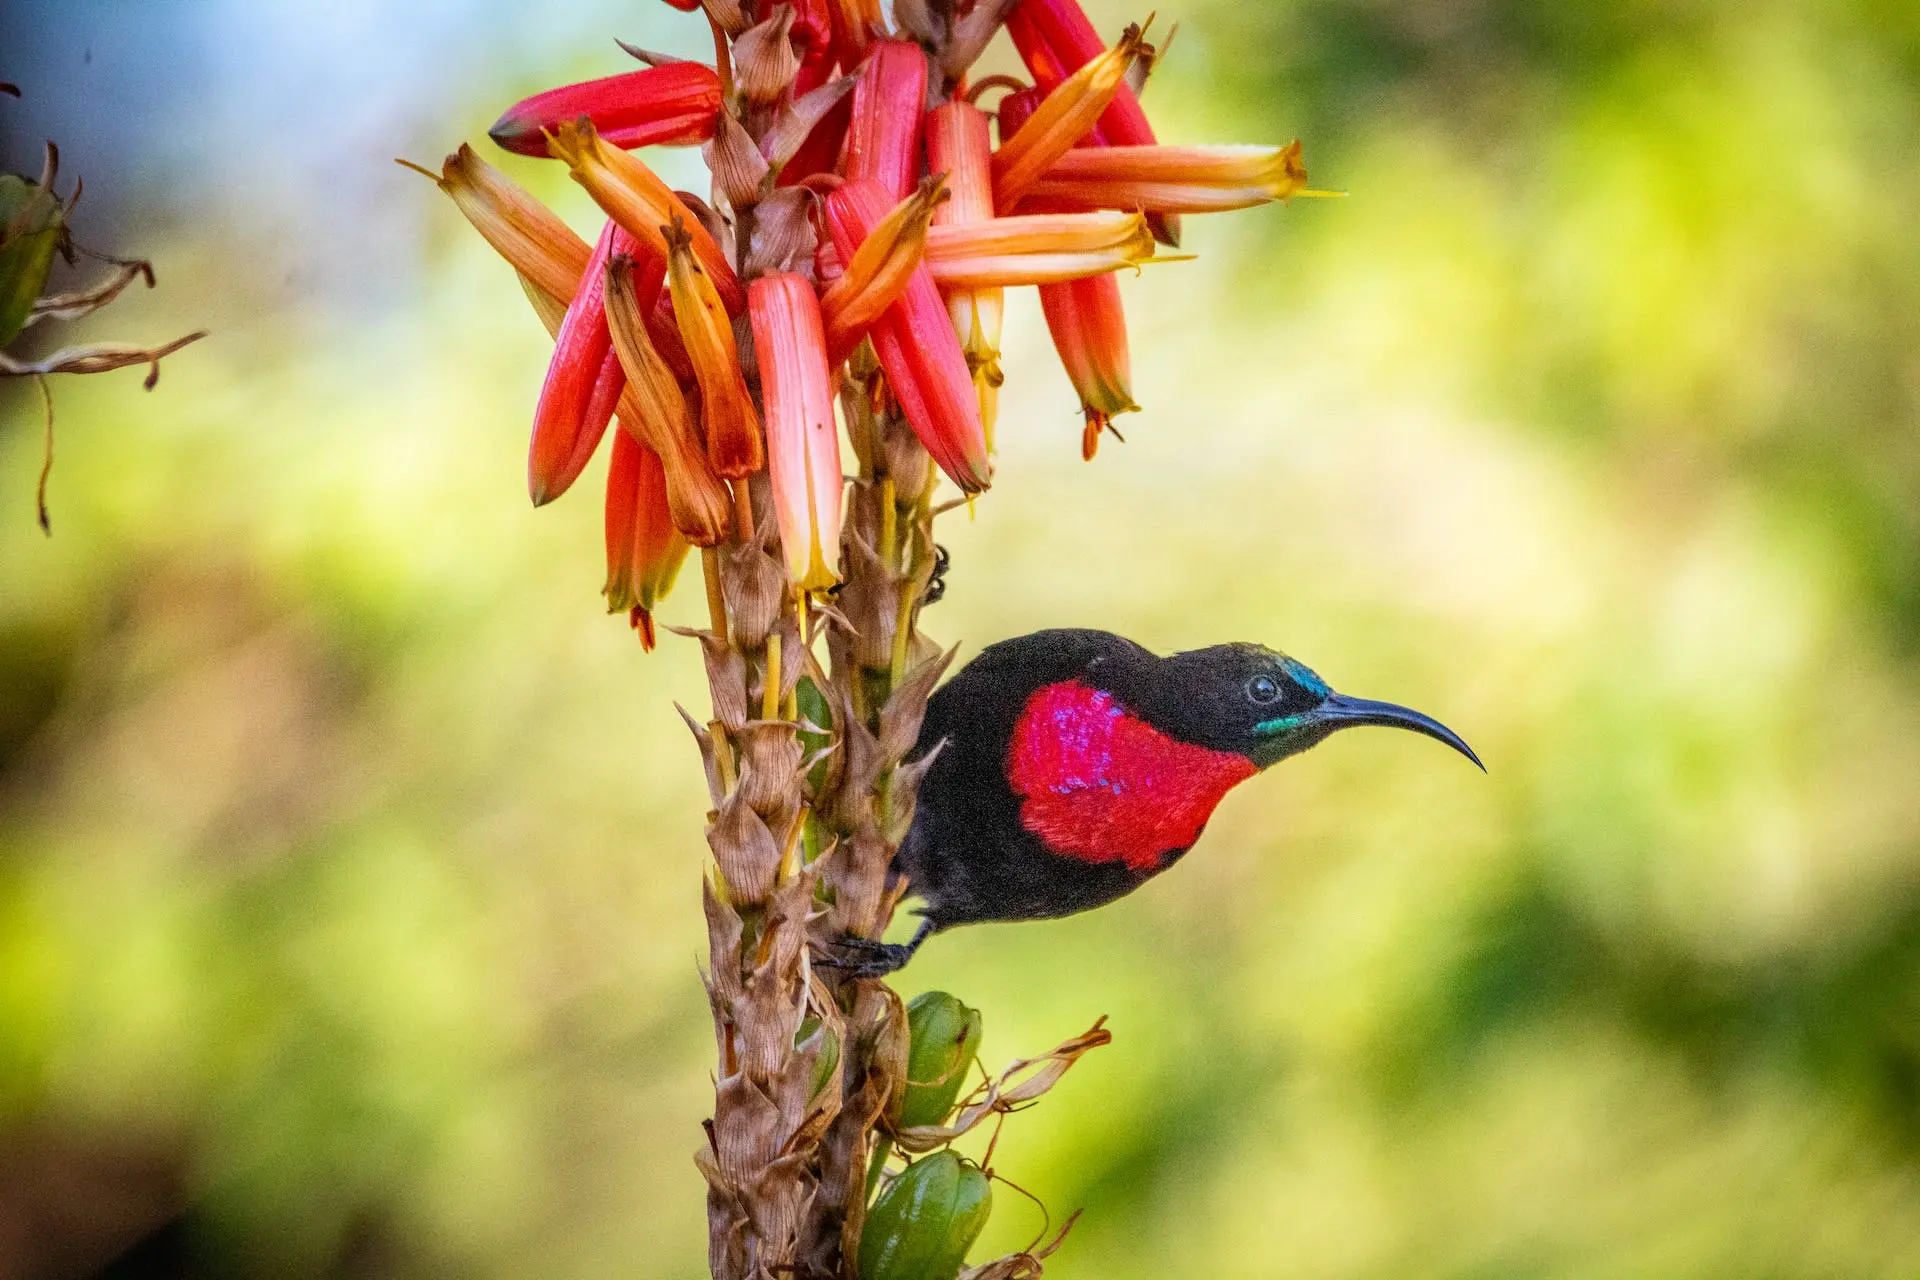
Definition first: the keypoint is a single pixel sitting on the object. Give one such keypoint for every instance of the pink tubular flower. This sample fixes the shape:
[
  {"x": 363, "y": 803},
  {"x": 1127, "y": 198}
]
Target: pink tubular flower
[
  {"x": 921, "y": 356},
  {"x": 1087, "y": 322},
  {"x": 883, "y": 140},
  {"x": 803, "y": 446},
  {"x": 960, "y": 145},
  {"x": 584, "y": 382},
  {"x": 1172, "y": 179},
  {"x": 644, "y": 553},
  {"x": 674, "y": 104}
]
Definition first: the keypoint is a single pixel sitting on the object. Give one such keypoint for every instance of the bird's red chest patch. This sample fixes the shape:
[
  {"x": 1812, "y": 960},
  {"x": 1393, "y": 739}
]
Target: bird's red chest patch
[{"x": 1096, "y": 782}]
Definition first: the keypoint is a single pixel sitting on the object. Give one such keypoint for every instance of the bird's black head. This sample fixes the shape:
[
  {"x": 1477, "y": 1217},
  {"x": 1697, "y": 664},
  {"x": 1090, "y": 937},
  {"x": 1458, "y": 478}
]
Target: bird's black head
[{"x": 1247, "y": 699}]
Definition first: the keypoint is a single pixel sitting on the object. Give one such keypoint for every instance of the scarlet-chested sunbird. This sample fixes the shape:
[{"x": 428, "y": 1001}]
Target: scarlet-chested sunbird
[{"x": 1073, "y": 766}]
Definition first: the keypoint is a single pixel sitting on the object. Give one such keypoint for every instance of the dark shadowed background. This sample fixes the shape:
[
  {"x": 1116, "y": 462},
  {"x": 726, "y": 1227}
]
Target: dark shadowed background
[{"x": 349, "y": 855}]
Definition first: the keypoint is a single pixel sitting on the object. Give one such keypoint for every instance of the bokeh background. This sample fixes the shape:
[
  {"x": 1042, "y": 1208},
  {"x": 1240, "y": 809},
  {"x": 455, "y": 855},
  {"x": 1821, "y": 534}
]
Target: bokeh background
[{"x": 349, "y": 854}]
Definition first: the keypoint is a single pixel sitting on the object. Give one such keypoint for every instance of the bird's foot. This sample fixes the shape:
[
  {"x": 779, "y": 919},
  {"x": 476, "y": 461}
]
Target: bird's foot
[{"x": 869, "y": 958}]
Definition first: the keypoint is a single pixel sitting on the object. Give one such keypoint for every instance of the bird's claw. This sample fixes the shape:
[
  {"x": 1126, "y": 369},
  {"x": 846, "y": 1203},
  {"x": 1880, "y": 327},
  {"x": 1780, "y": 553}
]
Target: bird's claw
[{"x": 865, "y": 957}]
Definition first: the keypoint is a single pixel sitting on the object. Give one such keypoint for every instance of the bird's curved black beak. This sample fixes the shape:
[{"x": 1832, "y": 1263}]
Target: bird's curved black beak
[{"x": 1341, "y": 712}]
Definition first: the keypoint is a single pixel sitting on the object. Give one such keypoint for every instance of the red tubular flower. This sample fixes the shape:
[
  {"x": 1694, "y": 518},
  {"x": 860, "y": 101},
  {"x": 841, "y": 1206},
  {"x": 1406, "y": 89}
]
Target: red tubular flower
[
  {"x": 883, "y": 139},
  {"x": 821, "y": 151},
  {"x": 1055, "y": 39},
  {"x": 644, "y": 553},
  {"x": 674, "y": 104},
  {"x": 803, "y": 446},
  {"x": 813, "y": 36},
  {"x": 1089, "y": 328},
  {"x": 1087, "y": 322},
  {"x": 960, "y": 145},
  {"x": 581, "y": 391},
  {"x": 914, "y": 338}
]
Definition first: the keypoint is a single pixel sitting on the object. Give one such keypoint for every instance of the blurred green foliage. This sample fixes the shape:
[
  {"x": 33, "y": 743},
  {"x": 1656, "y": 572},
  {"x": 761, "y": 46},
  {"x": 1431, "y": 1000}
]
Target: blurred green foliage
[{"x": 349, "y": 859}]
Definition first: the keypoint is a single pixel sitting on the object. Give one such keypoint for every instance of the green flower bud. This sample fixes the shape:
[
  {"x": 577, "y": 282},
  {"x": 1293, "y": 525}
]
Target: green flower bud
[
  {"x": 944, "y": 1039},
  {"x": 922, "y": 1225}
]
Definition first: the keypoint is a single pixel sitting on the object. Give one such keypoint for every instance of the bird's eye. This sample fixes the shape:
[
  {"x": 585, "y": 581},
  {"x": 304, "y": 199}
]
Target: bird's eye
[{"x": 1263, "y": 689}]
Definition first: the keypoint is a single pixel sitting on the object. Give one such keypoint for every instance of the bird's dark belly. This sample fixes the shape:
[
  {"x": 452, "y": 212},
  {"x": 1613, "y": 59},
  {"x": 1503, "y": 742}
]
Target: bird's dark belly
[{"x": 966, "y": 876}]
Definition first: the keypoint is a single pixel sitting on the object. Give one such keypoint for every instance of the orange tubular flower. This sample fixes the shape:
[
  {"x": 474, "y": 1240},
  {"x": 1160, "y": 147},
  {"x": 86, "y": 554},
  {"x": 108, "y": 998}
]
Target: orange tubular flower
[
  {"x": 633, "y": 196},
  {"x": 733, "y": 428},
  {"x": 921, "y": 356},
  {"x": 584, "y": 382},
  {"x": 1172, "y": 179},
  {"x": 878, "y": 272},
  {"x": 1063, "y": 118},
  {"x": 1055, "y": 39},
  {"x": 883, "y": 140},
  {"x": 1087, "y": 322},
  {"x": 675, "y": 104},
  {"x": 655, "y": 409},
  {"x": 644, "y": 553},
  {"x": 1035, "y": 249},
  {"x": 960, "y": 145},
  {"x": 803, "y": 446},
  {"x": 530, "y": 236}
]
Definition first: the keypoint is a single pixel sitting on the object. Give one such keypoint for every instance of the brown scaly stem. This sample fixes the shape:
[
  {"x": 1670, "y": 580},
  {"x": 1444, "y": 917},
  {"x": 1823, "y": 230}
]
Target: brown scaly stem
[{"x": 867, "y": 801}]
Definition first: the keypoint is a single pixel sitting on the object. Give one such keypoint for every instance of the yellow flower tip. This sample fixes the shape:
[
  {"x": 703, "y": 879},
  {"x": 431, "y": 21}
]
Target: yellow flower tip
[
  {"x": 530, "y": 236},
  {"x": 571, "y": 141}
]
